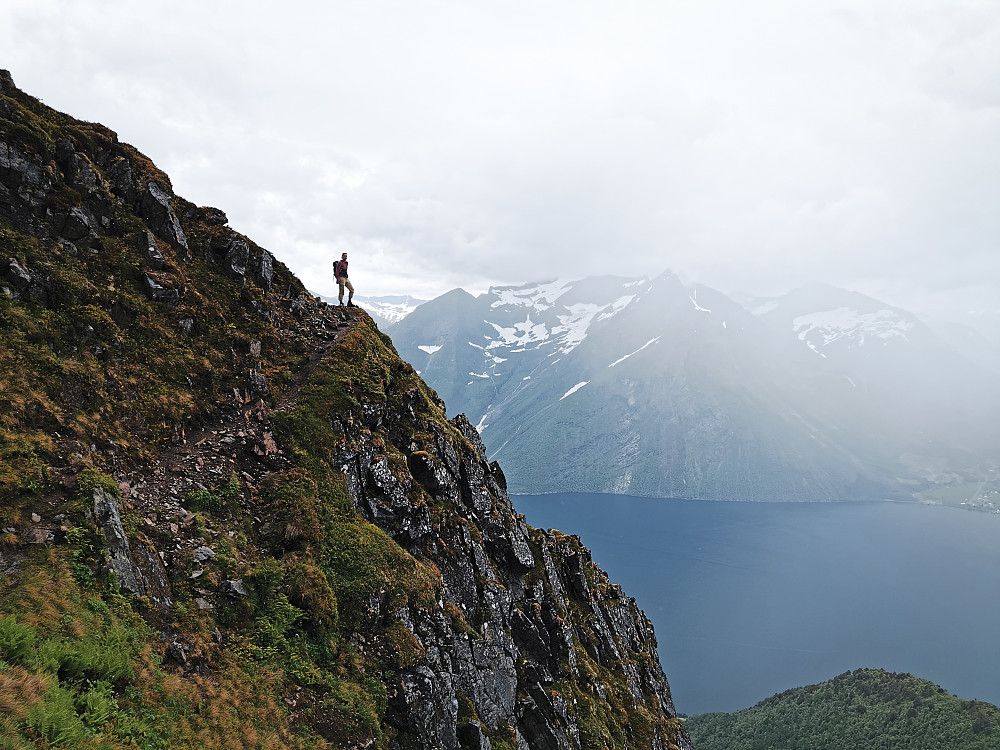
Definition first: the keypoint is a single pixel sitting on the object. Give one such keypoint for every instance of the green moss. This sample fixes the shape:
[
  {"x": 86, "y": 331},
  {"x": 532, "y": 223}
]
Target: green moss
[
  {"x": 91, "y": 479},
  {"x": 219, "y": 497}
]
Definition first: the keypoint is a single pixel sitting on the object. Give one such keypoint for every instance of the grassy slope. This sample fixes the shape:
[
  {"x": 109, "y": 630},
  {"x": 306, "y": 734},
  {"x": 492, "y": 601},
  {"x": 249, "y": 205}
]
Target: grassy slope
[
  {"x": 96, "y": 379},
  {"x": 81, "y": 664}
]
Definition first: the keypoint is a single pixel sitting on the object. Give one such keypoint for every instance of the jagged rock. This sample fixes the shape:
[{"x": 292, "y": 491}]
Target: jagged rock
[
  {"x": 78, "y": 172},
  {"x": 143, "y": 576},
  {"x": 77, "y": 224},
  {"x": 527, "y": 636},
  {"x": 186, "y": 325},
  {"x": 155, "y": 209},
  {"x": 17, "y": 278},
  {"x": 429, "y": 706},
  {"x": 265, "y": 270},
  {"x": 258, "y": 384},
  {"x": 237, "y": 257},
  {"x": 118, "y": 170},
  {"x": 159, "y": 293},
  {"x": 234, "y": 588},
  {"x": 176, "y": 651},
  {"x": 146, "y": 245},
  {"x": 24, "y": 174},
  {"x": 203, "y": 553}
]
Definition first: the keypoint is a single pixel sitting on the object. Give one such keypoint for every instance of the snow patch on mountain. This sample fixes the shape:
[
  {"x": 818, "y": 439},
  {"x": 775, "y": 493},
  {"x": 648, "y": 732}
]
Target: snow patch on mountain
[
  {"x": 622, "y": 359},
  {"x": 430, "y": 349},
  {"x": 573, "y": 326},
  {"x": 844, "y": 323},
  {"x": 387, "y": 309},
  {"x": 617, "y": 306},
  {"x": 694, "y": 301},
  {"x": 574, "y": 389},
  {"x": 540, "y": 297},
  {"x": 521, "y": 334}
]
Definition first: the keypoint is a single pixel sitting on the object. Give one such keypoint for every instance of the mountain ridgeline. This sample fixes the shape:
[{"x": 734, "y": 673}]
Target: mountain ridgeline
[
  {"x": 234, "y": 517},
  {"x": 651, "y": 387}
]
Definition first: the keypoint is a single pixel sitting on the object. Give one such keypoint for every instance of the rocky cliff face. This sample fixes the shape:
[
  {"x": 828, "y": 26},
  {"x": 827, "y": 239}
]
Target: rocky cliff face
[
  {"x": 528, "y": 631},
  {"x": 233, "y": 517}
]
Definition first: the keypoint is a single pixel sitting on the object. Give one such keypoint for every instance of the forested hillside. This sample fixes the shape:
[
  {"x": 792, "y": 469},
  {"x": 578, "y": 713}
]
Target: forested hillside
[{"x": 867, "y": 708}]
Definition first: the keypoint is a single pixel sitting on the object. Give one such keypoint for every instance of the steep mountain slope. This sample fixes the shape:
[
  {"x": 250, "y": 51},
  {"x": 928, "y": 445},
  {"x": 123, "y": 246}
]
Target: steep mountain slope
[
  {"x": 868, "y": 708},
  {"x": 685, "y": 393},
  {"x": 234, "y": 517},
  {"x": 895, "y": 386}
]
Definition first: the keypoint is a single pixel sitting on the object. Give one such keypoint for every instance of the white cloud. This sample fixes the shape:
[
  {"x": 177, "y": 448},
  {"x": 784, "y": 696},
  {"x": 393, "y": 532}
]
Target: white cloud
[{"x": 747, "y": 145}]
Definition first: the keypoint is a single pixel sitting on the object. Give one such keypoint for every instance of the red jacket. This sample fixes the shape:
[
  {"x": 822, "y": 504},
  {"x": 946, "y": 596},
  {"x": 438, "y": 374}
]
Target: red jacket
[{"x": 340, "y": 269}]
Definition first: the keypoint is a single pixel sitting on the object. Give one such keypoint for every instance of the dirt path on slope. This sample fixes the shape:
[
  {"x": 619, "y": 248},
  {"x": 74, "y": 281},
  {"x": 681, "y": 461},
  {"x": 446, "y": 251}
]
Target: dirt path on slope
[{"x": 236, "y": 441}]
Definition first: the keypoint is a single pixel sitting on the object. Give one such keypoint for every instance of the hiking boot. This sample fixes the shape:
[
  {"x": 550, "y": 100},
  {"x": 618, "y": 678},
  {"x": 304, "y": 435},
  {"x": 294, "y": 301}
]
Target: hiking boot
[{"x": 351, "y": 304}]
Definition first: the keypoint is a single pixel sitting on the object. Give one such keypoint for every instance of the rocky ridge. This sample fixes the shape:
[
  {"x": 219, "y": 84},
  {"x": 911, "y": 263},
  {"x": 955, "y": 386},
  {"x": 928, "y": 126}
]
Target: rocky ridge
[{"x": 278, "y": 496}]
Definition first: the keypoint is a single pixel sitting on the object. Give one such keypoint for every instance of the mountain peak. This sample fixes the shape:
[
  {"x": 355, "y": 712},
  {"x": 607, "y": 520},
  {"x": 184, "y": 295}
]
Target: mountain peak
[{"x": 685, "y": 393}]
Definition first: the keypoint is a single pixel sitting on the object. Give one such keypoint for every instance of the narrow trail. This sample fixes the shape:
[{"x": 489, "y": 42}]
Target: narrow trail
[{"x": 236, "y": 440}]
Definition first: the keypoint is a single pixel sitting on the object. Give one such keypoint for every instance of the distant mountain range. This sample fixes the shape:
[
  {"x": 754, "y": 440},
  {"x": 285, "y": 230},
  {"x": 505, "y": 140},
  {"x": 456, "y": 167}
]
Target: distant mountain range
[
  {"x": 384, "y": 310},
  {"x": 820, "y": 394}
]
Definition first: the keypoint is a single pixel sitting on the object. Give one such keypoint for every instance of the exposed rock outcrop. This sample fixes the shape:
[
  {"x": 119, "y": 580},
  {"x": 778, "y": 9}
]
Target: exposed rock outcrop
[
  {"x": 293, "y": 499},
  {"x": 528, "y": 628},
  {"x": 138, "y": 570}
]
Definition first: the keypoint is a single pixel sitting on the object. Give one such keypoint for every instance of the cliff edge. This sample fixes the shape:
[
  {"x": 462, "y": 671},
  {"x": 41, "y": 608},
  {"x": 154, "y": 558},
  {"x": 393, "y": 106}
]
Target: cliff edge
[{"x": 233, "y": 516}]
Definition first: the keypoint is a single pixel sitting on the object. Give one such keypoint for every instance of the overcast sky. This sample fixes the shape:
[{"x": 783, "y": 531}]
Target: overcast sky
[{"x": 750, "y": 145}]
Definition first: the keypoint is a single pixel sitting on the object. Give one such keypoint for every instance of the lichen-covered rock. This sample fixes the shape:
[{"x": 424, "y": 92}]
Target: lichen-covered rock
[
  {"x": 138, "y": 569},
  {"x": 237, "y": 257},
  {"x": 265, "y": 270},
  {"x": 148, "y": 249},
  {"x": 156, "y": 211},
  {"x": 529, "y": 632},
  {"x": 159, "y": 293}
]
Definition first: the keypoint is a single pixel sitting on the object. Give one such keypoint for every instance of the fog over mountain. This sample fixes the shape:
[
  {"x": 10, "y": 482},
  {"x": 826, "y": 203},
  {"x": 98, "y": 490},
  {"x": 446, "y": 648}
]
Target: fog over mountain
[
  {"x": 820, "y": 394},
  {"x": 756, "y": 146}
]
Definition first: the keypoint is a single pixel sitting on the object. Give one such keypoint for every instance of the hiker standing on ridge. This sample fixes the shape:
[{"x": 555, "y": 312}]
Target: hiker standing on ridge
[{"x": 340, "y": 274}]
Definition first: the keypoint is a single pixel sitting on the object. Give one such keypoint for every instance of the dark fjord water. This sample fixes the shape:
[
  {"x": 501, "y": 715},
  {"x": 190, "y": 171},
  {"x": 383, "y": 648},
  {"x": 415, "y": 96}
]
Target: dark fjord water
[{"x": 749, "y": 599}]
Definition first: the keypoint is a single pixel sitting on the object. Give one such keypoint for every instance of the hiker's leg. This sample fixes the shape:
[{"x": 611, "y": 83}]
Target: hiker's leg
[
  {"x": 340, "y": 283},
  {"x": 350, "y": 288}
]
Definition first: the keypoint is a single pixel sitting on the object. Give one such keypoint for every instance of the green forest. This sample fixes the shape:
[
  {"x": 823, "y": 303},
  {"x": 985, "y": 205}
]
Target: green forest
[{"x": 867, "y": 708}]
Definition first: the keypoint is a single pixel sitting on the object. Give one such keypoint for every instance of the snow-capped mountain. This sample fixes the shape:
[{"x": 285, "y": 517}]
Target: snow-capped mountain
[
  {"x": 831, "y": 321},
  {"x": 385, "y": 310},
  {"x": 819, "y": 394}
]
